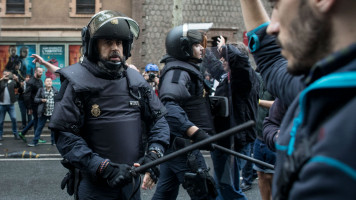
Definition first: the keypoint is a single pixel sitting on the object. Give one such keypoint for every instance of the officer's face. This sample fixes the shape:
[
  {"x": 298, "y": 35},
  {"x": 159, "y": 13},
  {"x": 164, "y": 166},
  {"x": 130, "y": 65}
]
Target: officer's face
[
  {"x": 197, "y": 51},
  {"x": 110, "y": 50}
]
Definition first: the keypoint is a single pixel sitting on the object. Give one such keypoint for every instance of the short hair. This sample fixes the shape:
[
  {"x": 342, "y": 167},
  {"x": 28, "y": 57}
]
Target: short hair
[
  {"x": 241, "y": 47},
  {"x": 38, "y": 68}
]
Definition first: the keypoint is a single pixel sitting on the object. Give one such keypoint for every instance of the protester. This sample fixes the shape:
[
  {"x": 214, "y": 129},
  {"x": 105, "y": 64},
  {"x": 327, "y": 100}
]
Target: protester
[
  {"x": 260, "y": 150},
  {"x": 8, "y": 83},
  {"x": 32, "y": 86},
  {"x": 318, "y": 40},
  {"x": 181, "y": 90},
  {"x": 240, "y": 86},
  {"x": 25, "y": 117},
  {"x": 97, "y": 118},
  {"x": 45, "y": 100}
]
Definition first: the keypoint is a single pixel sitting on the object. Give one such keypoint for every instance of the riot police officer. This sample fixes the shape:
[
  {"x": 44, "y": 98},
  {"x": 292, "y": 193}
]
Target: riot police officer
[
  {"x": 182, "y": 91},
  {"x": 97, "y": 117}
]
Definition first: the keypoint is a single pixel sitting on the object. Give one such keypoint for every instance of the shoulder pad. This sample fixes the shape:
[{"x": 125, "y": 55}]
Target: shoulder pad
[
  {"x": 188, "y": 67},
  {"x": 81, "y": 79}
]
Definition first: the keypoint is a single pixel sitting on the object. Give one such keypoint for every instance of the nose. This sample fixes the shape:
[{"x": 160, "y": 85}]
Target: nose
[
  {"x": 273, "y": 27},
  {"x": 114, "y": 46}
]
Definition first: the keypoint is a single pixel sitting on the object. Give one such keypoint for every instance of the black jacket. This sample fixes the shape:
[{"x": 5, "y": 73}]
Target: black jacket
[
  {"x": 38, "y": 99},
  {"x": 315, "y": 146},
  {"x": 11, "y": 85},
  {"x": 32, "y": 86},
  {"x": 242, "y": 92}
]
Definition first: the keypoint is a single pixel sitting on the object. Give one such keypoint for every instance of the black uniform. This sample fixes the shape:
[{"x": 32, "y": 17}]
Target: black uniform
[
  {"x": 99, "y": 117},
  {"x": 182, "y": 92}
]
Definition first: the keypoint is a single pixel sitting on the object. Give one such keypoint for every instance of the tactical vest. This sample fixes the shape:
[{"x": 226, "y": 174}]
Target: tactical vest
[
  {"x": 112, "y": 112},
  {"x": 197, "y": 107}
]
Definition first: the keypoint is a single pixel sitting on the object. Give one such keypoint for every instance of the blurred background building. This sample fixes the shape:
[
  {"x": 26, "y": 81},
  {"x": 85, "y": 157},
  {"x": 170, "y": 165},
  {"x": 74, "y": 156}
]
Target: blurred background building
[{"x": 52, "y": 28}]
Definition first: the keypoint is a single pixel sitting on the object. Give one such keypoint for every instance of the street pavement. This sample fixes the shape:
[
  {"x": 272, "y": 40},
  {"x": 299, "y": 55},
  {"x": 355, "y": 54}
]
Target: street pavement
[{"x": 39, "y": 178}]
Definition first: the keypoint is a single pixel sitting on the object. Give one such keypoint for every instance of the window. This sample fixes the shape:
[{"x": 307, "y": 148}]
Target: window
[
  {"x": 15, "y": 7},
  {"x": 85, "y": 6}
]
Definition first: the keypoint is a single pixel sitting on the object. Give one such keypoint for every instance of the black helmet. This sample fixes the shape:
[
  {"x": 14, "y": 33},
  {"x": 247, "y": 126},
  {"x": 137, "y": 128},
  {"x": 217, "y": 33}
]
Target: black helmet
[
  {"x": 109, "y": 24},
  {"x": 180, "y": 39}
]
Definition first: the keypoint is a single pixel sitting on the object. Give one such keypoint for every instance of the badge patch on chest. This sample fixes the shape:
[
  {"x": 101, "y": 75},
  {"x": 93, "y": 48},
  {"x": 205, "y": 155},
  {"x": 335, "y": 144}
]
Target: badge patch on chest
[{"x": 95, "y": 110}]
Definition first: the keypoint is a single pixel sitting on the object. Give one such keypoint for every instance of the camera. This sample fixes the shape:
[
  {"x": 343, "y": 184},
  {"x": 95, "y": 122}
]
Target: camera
[{"x": 151, "y": 77}]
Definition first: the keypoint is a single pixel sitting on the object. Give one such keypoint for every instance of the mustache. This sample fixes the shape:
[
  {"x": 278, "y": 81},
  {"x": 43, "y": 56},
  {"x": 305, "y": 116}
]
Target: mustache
[{"x": 115, "y": 54}]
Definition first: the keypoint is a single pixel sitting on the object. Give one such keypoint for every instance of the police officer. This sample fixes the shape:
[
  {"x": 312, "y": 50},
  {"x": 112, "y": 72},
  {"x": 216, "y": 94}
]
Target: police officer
[
  {"x": 97, "y": 117},
  {"x": 181, "y": 90}
]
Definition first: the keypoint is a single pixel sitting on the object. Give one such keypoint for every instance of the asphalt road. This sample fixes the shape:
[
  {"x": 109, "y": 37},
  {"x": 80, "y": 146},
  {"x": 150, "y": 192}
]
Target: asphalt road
[{"x": 39, "y": 178}]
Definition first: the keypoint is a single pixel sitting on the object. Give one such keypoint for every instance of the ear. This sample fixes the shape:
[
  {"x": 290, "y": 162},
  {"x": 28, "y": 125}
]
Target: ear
[{"x": 323, "y": 6}]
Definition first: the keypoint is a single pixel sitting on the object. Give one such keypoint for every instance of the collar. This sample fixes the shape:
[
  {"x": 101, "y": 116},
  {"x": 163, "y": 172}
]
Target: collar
[
  {"x": 99, "y": 71},
  {"x": 336, "y": 62}
]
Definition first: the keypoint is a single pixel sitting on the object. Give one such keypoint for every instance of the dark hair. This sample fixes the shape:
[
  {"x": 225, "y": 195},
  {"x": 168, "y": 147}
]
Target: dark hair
[{"x": 242, "y": 48}]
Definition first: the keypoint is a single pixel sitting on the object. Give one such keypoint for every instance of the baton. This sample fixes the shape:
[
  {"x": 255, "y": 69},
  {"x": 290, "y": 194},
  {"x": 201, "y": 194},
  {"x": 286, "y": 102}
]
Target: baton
[
  {"x": 197, "y": 145},
  {"x": 234, "y": 153}
]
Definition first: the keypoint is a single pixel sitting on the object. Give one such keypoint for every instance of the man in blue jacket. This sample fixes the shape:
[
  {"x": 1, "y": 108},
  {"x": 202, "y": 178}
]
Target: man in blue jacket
[{"x": 315, "y": 146}]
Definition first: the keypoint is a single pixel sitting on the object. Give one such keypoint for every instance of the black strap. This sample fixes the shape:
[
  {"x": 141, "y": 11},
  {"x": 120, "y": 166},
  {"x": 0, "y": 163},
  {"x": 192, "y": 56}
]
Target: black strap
[
  {"x": 176, "y": 75},
  {"x": 60, "y": 94}
]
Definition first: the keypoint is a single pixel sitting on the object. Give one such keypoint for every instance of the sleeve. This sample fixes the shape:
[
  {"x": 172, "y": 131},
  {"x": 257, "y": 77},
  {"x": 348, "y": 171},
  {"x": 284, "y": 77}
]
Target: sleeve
[
  {"x": 27, "y": 94},
  {"x": 177, "y": 119},
  {"x": 66, "y": 121},
  {"x": 158, "y": 136},
  {"x": 272, "y": 66},
  {"x": 38, "y": 97},
  {"x": 241, "y": 72},
  {"x": 213, "y": 65},
  {"x": 271, "y": 124}
]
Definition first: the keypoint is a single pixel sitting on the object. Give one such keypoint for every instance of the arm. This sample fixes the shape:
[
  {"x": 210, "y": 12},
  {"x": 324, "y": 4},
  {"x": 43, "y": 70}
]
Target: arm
[
  {"x": 27, "y": 94},
  {"x": 66, "y": 121},
  {"x": 271, "y": 124},
  {"x": 267, "y": 53},
  {"x": 38, "y": 97},
  {"x": 242, "y": 74},
  {"x": 265, "y": 103},
  {"x": 254, "y": 13},
  {"x": 41, "y": 61},
  {"x": 212, "y": 65}
]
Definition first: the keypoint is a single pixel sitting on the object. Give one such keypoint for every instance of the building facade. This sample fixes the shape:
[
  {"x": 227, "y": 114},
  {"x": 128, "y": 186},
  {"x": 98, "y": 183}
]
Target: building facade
[{"x": 52, "y": 28}]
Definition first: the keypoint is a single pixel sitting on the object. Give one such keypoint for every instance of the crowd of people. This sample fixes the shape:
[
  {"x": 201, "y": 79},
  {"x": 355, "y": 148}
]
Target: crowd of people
[{"x": 108, "y": 119}]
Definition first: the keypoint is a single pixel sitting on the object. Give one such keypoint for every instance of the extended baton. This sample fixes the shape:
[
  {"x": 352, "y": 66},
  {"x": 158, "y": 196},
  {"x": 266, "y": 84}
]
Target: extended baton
[
  {"x": 234, "y": 153},
  {"x": 197, "y": 145}
]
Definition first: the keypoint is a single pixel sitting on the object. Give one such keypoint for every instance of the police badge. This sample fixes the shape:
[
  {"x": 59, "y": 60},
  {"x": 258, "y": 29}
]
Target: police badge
[{"x": 95, "y": 110}]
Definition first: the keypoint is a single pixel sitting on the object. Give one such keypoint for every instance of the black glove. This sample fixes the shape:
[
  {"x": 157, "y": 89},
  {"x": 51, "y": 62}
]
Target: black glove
[
  {"x": 117, "y": 174},
  {"x": 69, "y": 178},
  {"x": 68, "y": 181},
  {"x": 154, "y": 171},
  {"x": 200, "y": 135}
]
